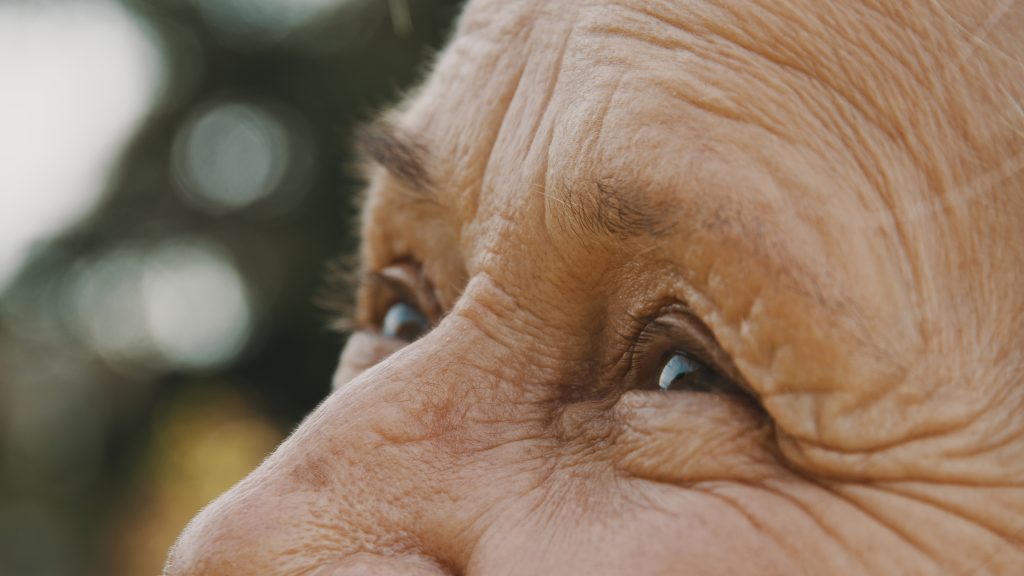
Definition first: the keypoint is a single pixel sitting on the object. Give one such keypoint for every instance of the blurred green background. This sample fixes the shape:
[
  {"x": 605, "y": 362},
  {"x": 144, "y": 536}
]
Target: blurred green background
[{"x": 174, "y": 177}]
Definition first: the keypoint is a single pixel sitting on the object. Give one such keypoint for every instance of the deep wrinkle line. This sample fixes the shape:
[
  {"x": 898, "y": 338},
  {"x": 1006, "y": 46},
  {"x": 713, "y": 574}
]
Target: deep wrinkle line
[{"x": 872, "y": 515}]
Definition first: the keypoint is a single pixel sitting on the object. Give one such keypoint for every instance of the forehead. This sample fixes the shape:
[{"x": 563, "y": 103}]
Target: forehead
[
  {"x": 538, "y": 107},
  {"x": 665, "y": 100},
  {"x": 798, "y": 150},
  {"x": 586, "y": 82}
]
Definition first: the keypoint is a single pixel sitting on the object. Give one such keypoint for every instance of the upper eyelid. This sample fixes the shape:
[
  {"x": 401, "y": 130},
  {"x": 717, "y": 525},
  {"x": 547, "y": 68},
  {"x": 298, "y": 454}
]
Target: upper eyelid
[
  {"x": 677, "y": 339},
  {"x": 688, "y": 340},
  {"x": 368, "y": 311},
  {"x": 684, "y": 333},
  {"x": 416, "y": 290},
  {"x": 378, "y": 279}
]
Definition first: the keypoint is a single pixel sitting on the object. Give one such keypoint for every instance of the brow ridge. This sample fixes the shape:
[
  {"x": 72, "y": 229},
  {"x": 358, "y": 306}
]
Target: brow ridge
[{"x": 402, "y": 153}]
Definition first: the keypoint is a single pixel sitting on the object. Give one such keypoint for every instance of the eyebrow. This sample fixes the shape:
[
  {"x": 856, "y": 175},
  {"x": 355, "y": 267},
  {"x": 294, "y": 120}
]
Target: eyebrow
[
  {"x": 400, "y": 152},
  {"x": 605, "y": 207},
  {"x": 602, "y": 207}
]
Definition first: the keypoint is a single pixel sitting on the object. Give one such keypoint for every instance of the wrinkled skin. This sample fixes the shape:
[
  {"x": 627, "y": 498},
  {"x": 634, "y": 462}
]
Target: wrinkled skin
[{"x": 826, "y": 201}]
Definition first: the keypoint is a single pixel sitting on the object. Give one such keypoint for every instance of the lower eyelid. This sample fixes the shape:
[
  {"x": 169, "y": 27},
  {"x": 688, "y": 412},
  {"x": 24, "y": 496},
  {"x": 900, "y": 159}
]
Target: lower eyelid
[{"x": 686, "y": 438}]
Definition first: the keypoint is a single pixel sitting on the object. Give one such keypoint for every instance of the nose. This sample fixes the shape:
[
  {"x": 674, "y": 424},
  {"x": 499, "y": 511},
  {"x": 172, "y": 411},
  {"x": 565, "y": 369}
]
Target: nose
[{"x": 390, "y": 475}]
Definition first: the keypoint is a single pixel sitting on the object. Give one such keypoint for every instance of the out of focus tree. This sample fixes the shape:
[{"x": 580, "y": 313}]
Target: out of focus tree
[{"x": 159, "y": 348}]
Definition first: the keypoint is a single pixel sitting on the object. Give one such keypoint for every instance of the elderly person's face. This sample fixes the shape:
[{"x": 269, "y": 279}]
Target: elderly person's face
[{"x": 675, "y": 288}]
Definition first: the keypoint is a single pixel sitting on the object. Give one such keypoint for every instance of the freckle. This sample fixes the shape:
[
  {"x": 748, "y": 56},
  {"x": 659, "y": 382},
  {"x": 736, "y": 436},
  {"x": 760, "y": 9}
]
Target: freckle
[{"x": 312, "y": 472}]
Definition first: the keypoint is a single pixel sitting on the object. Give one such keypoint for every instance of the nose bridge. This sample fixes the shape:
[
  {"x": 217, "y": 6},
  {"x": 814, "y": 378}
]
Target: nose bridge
[
  {"x": 434, "y": 394},
  {"x": 402, "y": 457}
]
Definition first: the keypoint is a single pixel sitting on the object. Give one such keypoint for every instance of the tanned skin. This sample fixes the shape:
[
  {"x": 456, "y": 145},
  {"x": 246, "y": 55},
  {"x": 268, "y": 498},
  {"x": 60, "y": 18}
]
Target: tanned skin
[{"x": 819, "y": 204}]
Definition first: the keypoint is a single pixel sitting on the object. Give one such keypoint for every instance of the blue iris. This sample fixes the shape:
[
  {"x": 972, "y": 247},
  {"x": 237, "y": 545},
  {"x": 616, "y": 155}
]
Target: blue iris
[
  {"x": 404, "y": 322},
  {"x": 677, "y": 367}
]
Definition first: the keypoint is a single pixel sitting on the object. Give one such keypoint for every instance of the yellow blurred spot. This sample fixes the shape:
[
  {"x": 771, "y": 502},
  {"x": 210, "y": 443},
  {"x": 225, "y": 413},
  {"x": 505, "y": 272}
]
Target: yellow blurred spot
[{"x": 202, "y": 445}]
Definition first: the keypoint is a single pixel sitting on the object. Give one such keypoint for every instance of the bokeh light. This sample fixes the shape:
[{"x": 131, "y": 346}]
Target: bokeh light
[
  {"x": 65, "y": 146},
  {"x": 105, "y": 307},
  {"x": 203, "y": 443},
  {"x": 181, "y": 304},
  {"x": 231, "y": 156},
  {"x": 195, "y": 304},
  {"x": 247, "y": 23}
]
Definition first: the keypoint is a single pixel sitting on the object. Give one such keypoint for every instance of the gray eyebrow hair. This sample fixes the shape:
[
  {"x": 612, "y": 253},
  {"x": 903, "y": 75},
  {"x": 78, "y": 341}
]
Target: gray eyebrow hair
[{"x": 400, "y": 152}]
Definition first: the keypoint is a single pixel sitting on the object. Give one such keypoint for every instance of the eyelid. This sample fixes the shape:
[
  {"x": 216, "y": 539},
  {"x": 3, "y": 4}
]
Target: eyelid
[
  {"x": 683, "y": 333},
  {"x": 401, "y": 282},
  {"x": 692, "y": 339},
  {"x": 381, "y": 280}
]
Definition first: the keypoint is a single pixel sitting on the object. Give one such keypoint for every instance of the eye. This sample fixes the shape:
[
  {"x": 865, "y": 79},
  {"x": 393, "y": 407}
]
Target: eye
[
  {"x": 404, "y": 322},
  {"x": 682, "y": 373}
]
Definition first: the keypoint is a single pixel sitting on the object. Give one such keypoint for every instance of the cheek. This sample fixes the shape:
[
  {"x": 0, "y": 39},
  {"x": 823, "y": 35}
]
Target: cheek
[{"x": 629, "y": 526}]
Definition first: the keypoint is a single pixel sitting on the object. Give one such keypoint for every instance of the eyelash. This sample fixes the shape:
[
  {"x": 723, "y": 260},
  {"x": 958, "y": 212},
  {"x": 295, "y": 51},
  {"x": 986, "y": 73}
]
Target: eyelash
[
  {"x": 639, "y": 336},
  {"x": 346, "y": 284},
  {"x": 338, "y": 294}
]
